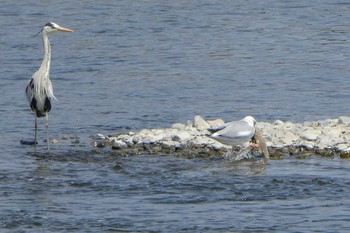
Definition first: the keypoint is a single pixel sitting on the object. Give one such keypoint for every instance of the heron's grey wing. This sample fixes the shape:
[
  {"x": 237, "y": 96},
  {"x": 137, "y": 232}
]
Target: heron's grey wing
[
  {"x": 236, "y": 129},
  {"x": 29, "y": 90}
]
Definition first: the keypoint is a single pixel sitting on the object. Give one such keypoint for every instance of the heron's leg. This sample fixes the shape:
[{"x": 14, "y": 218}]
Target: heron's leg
[
  {"x": 47, "y": 131},
  {"x": 36, "y": 130}
]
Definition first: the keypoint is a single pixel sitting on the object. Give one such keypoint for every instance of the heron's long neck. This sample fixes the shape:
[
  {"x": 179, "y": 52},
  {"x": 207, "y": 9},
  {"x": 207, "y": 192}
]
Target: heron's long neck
[{"x": 45, "y": 65}]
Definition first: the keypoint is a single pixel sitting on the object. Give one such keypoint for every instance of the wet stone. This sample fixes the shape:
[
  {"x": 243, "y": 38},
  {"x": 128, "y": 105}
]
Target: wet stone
[
  {"x": 65, "y": 137},
  {"x": 54, "y": 141},
  {"x": 118, "y": 144}
]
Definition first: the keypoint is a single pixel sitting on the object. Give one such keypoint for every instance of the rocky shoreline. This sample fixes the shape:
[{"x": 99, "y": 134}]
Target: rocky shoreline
[{"x": 326, "y": 138}]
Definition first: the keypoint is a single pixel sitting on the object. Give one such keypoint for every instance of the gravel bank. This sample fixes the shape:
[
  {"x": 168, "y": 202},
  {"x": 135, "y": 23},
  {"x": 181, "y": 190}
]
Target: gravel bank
[{"x": 326, "y": 138}]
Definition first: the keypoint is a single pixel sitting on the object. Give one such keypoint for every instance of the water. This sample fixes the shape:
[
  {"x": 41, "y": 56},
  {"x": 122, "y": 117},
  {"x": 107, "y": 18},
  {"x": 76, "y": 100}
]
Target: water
[
  {"x": 142, "y": 64},
  {"x": 109, "y": 193}
]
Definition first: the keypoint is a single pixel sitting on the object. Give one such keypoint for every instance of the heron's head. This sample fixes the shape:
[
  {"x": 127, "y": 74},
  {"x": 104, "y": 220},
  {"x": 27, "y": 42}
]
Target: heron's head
[
  {"x": 250, "y": 120},
  {"x": 54, "y": 27}
]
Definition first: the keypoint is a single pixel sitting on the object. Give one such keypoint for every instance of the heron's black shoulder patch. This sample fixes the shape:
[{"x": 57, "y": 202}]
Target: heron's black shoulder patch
[
  {"x": 47, "y": 105},
  {"x": 33, "y": 104}
]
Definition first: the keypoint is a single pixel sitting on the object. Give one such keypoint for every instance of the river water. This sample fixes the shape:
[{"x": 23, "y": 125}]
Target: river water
[{"x": 130, "y": 65}]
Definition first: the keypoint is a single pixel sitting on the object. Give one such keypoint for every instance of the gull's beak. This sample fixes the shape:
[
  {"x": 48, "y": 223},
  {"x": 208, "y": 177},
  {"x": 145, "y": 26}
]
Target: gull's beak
[{"x": 62, "y": 29}]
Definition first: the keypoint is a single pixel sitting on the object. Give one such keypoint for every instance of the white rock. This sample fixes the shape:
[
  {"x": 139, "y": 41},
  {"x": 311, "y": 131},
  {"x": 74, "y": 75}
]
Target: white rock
[
  {"x": 308, "y": 144},
  {"x": 216, "y": 123},
  {"x": 125, "y": 138},
  {"x": 288, "y": 138},
  {"x": 288, "y": 126},
  {"x": 178, "y": 126},
  {"x": 54, "y": 141},
  {"x": 329, "y": 141},
  {"x": 346, "y": 138},
  {"x": 278, "y": 122},
  {"x": 192, "y": 131},
  {"x": 333, "y": 132},
  {"x": 275, "y": 137},
  {"x": 166, "y": 138},
  {"x": 189, "y": 124},
  {"x": 327, "y": 123},
  {"x": 181, "y": 136},
  {"x": 100, "y": 136},
  {"x": 345, "y": 120},
  {"x": 145, "y": 132},
  {"x": 118, "y": 144},
  {"x": 111, "y": 138},
  {"x": 342, "y": 147},
  {"x": 147, "y": 136},
  {"x": 219, "y": 146},
  {"x": 263, "y": 126},
  {"x": 269, "y": 144},
  {"x": 200, "y": 123},
  {"x": 310, "y": 134},
  {"x": 171, "y": 143},
  {"x": 159, "y": 135},
  {"x": 202, "y": 140},
  {"x": 309, "y": 123}
]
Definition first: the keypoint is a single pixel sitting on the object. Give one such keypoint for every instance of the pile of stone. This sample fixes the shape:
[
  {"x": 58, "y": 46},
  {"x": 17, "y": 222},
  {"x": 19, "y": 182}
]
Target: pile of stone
[
  {"x": 323, "y": 137},
  {"x": 186, "y": 139},
  {"x": 332, "y": 133}
]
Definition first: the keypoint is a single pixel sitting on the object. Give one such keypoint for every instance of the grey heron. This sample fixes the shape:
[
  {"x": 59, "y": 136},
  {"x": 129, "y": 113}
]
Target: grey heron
[{"x": 39, "y": 91}]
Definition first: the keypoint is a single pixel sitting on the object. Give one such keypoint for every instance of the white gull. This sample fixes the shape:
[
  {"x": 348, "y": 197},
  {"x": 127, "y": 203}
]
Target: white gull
[{"x": 235, "y": 133}]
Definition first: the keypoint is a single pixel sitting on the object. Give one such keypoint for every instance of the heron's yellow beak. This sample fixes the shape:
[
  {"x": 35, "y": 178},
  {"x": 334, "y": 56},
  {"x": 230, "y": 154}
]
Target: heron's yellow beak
[{"x": 62, "y": 29}]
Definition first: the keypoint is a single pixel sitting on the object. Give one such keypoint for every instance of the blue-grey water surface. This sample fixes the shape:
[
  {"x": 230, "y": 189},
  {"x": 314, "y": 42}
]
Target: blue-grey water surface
[{"x": 130, "y": 65}]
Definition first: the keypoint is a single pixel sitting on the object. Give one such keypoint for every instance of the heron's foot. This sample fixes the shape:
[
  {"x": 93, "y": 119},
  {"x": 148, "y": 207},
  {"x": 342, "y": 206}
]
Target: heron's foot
[{"x": 28, "y": 142}]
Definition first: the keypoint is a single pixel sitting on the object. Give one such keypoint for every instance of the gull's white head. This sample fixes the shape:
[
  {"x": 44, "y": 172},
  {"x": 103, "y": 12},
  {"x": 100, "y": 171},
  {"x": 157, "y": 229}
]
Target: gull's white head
[{"x": 250, "y": 120}]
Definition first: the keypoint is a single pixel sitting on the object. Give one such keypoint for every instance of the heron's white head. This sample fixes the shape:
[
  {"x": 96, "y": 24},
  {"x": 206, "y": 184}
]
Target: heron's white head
[
  {"x": 250, "y": 120},
  {"x": 54, "y": 27}
]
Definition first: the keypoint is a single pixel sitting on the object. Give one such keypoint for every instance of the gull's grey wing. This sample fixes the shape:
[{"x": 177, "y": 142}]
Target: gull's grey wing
[
  {"x": 213, "y": 130},
  {"x": 235, "y": 129},
  {"x": 234, "y": 133}
]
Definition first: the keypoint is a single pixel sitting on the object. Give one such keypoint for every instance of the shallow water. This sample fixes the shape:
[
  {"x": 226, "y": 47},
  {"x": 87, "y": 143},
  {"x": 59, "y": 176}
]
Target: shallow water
[
  {"x": 89, "y": 192},
  {"x": 133, "y": 65}
]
